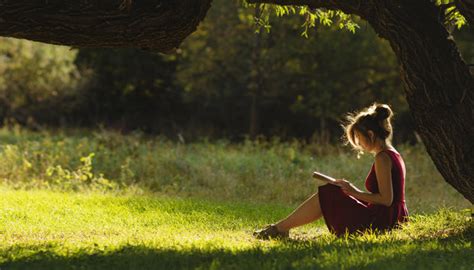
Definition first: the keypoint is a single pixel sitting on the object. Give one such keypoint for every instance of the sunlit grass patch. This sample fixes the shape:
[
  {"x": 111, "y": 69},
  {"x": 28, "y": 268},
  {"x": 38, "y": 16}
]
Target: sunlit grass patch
[{"x": 53, "y": 230}]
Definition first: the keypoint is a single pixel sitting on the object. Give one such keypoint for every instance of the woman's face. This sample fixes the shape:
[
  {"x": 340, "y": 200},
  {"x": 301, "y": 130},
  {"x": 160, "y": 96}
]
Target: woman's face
[{"x": 363, "y": 141}]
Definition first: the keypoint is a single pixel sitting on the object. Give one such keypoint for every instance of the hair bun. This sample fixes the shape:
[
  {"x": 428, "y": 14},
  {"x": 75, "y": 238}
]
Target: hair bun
[{"x": 382, "y": 112}]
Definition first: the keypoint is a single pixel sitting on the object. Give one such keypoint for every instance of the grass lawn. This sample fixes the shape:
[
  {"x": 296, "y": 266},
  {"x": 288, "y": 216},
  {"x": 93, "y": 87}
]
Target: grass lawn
[{"x": 64, "y": 230}]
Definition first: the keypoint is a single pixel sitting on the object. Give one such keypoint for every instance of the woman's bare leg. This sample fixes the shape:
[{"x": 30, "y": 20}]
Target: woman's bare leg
[{"x": 308, "y": 211}]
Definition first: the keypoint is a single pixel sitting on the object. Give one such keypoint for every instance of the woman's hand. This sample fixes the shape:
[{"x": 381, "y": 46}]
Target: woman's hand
[{"x": 347, "y": 187}]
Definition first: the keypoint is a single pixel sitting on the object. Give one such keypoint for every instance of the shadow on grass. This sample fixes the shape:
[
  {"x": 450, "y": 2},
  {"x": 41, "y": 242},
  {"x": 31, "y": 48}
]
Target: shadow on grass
[{"x": 430, "y": 253}]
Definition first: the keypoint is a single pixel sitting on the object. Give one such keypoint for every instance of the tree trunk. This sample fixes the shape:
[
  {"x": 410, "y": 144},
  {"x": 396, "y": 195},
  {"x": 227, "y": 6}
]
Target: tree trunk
[
  {"x": 154, "y": 24},
  {"x": 255, "y": 85},
  {"x": 438, "y": 85},
  {"x": 323, "y": 132},
  {"x": 253, "y": 124}
]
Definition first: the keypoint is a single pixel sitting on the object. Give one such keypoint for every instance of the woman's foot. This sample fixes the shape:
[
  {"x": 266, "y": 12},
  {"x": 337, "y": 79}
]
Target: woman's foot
[{"x": 270, "y": 231}]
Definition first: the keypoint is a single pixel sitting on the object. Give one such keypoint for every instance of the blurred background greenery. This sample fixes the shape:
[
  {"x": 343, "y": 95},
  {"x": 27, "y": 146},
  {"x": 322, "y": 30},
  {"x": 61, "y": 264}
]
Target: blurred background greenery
[
  {"x": 263, "y": 171},
  {"x": 224, "y": 81}
]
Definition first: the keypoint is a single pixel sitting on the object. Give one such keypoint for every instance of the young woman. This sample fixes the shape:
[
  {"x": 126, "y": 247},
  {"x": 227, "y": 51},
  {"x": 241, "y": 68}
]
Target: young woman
[{"x": 344, "y": 207}]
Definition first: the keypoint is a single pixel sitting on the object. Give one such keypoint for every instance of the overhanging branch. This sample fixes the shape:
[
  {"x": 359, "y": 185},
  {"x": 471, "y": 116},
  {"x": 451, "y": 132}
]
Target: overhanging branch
[
  {"x": 310, "y": 3},
  {"x": 158, "y": 25},
  {"x": 357, "y": 7}
]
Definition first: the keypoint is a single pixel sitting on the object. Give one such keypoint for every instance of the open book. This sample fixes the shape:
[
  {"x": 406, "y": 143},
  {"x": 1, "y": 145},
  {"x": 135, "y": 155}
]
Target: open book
[{"x": 326, "y": 179}]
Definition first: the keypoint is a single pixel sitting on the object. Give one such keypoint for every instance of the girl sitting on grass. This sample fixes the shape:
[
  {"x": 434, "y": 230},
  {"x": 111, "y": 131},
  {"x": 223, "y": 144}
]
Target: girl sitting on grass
[{"x": 344, "y": 207}]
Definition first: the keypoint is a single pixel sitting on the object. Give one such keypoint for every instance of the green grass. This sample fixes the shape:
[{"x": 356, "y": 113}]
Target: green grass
[
  {"x": 101, "y": 200},
  {"x": 55, "y": 230}
]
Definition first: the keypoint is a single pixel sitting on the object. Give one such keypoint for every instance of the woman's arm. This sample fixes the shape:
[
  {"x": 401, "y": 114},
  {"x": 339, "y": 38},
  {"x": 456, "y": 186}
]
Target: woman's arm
[{"x": 383, "y": 171}]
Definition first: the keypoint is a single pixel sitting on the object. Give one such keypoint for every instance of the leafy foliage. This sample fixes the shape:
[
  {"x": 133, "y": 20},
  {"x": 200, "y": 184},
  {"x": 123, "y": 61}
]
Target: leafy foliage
[
  {"x": 80, "y": 179},
  {"x": 31, "y": 73},
  {"x": 452, "y": 16},
  {"x": 325, "y": 17},
  {"x": 128, "y": 86},
  {"x": 312, "y": 17}
]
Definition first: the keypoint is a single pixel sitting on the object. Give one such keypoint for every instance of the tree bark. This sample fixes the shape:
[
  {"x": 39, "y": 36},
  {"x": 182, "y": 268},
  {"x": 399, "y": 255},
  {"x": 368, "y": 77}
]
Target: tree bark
[
  {"x": 438, "y": 84},
  {"x": 159, "y": 25}
]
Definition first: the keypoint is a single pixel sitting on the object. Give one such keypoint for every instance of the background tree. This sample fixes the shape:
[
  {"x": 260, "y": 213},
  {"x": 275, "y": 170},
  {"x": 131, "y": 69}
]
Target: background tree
[
  {"x": 32, "y": 75},
  {"x": 129, "y": 89},
  {"x": 306, "y": 84}
]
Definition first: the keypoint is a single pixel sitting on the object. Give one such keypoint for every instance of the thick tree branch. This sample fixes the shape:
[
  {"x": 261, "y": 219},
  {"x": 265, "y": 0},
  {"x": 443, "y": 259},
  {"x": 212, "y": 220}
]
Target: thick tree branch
[{"x": 155, "y": 24}]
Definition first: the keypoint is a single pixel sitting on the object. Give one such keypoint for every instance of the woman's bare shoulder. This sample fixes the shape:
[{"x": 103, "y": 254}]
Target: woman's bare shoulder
[{"x": 383, "y": 158}]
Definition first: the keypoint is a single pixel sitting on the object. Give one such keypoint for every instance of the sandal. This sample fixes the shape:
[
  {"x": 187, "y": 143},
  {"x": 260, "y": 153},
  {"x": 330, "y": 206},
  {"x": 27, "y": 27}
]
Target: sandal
[{"x": 270, "y": 231}]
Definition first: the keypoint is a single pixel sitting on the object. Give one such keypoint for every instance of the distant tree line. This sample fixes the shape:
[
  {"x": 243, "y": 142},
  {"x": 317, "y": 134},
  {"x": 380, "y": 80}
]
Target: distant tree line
[{"x": 226, "y": 80}]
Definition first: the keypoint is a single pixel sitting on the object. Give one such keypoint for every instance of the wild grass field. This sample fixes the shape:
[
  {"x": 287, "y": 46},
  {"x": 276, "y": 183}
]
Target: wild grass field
[
  {"x": 57, "y": 230},
  {"x": 100, "y": 200}
]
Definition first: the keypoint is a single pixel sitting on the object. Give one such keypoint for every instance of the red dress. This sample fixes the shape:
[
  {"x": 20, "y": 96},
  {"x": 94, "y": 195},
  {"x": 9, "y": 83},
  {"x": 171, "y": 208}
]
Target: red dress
[{"x": 345, "y": 213}]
